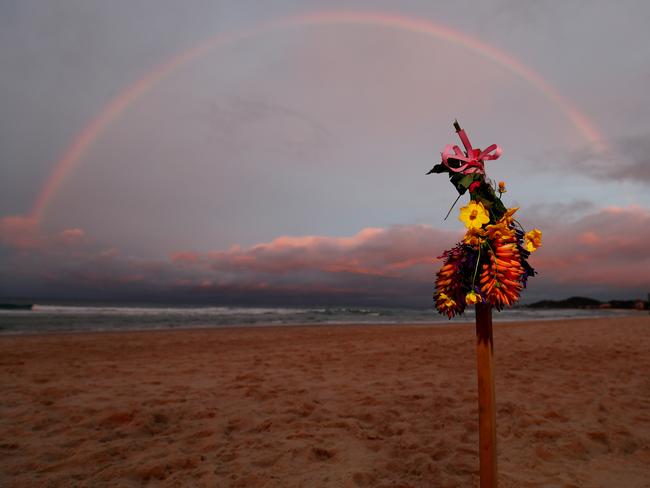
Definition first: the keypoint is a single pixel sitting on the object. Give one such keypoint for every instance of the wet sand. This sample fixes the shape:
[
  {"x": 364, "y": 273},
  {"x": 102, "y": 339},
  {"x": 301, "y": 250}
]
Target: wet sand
[{"x": 344, "y": 406}]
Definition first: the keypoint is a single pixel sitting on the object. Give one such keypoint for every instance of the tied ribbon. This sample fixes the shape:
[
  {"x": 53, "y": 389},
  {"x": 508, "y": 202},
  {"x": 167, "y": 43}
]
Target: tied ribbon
[{"x": 472, "y": 159}]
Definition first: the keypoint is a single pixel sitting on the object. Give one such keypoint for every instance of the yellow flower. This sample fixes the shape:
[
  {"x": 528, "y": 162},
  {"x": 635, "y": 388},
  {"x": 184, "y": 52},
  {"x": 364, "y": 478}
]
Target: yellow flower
[
  {"x": 502, "y": 187},
  {"x": 446, "y": 300},
  {"x": 533, "y": 240},
  {"x": 471, "y": 298},
  {"x": 474, "y": 215}
]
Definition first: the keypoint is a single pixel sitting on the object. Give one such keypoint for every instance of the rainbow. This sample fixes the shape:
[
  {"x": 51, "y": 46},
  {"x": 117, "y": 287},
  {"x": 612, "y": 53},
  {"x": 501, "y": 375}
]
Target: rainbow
[{"x": 90, "y": 133}]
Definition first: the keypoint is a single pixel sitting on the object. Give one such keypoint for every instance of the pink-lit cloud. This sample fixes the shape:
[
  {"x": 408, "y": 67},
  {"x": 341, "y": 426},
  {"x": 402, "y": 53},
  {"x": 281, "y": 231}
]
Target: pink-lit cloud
[
  {"x": 609, "y": 247},
  {"x": 606, "y": 248},
  {"x": 181, "y": 257},
  {"x": 72, "y": 236},
  {"x": 24, "y": 234},
  {"x": 392, "y": 252},
  {"x": 603, "y": 253},
  {"x": 19, "y": 232}
]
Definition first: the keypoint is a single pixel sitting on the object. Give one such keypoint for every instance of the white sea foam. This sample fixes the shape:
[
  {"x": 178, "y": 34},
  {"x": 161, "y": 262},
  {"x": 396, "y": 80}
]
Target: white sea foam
[{"x": 59, "y": 318}]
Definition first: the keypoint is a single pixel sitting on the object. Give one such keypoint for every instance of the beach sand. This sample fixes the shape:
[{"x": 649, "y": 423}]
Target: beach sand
[{"x": 328, "y": 406}]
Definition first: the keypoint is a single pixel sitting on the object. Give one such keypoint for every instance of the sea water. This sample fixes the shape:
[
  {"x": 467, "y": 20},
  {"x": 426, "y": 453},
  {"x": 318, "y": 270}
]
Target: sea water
[{"x": 71, "y": 318}]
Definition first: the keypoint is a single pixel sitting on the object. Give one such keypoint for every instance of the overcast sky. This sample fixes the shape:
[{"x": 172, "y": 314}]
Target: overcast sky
[{"x": 286, "y": 164}]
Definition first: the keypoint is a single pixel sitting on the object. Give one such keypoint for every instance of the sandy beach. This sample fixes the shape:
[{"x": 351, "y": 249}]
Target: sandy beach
[{"x": 329, "y": 406}]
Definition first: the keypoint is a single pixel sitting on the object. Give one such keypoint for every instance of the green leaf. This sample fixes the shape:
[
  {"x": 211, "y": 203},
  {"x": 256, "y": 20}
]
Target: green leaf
[
  {"x": 467, "y": 180},
  {"x": 456, "y": 180}
]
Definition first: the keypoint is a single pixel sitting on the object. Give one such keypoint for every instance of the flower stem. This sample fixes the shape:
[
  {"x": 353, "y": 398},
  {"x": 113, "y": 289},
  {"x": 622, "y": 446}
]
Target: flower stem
[
  {"x": 520, "y": 226},
  {"x": 492, "y": 250},
  {"x": 452, "y": 207},
  {"x": 478, "y": 260}
]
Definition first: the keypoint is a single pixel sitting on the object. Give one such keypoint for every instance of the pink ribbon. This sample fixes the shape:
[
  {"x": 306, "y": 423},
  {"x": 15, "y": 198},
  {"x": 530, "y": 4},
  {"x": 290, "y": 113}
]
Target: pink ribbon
[{"x": 472, "y": 159}]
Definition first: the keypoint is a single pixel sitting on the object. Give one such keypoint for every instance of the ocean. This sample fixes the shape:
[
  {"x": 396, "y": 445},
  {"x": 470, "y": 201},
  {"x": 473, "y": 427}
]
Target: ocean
[{"x": 75, "y": 318}]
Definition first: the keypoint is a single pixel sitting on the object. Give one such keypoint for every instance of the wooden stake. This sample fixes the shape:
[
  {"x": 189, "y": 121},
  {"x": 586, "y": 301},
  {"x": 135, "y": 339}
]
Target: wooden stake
[{"x": 487, "y": 432}]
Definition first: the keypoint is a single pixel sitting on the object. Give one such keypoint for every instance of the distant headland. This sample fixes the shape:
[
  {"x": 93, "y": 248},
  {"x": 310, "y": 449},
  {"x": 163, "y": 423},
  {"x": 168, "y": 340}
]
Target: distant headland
[{"x": 584, "y": 302}]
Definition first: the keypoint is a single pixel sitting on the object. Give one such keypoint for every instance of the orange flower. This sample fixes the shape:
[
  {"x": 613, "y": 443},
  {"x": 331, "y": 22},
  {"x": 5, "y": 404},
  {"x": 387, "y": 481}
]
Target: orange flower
[
  {"x": 507, "y": 217},
  {"x": 474, "y": 237},
  {"x": 497, "y": 231},
  {"x": 501, "y": 278},
  {"x": 448, "y": 296}
]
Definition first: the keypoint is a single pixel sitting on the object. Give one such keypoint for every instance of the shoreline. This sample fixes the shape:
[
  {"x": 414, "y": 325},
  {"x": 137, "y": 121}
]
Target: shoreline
[{"x": 267, "y": 326}]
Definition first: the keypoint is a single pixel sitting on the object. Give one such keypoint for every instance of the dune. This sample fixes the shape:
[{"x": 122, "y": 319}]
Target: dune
[{"x": 327, "y": 406}]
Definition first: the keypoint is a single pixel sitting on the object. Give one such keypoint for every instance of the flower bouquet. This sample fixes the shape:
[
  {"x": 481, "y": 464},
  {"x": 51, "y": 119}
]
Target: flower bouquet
[
  {"x": 489, "y": 269},
  {"x": 490, "y": 265}
]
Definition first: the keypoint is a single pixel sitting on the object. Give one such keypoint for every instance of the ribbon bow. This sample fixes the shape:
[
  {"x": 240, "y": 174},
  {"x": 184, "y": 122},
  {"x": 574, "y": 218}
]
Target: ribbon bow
[{"x": 472, "y": 159}]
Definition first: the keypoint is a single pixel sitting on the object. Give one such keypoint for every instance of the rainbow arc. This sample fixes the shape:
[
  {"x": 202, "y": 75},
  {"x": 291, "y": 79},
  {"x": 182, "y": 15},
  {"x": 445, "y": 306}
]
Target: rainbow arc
[{"x": 112, "y": 111}]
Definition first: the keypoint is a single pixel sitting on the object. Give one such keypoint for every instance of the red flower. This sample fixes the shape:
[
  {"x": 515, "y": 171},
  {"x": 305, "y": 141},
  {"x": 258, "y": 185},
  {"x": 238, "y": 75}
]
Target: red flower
[{"x": 474, "y": 186}]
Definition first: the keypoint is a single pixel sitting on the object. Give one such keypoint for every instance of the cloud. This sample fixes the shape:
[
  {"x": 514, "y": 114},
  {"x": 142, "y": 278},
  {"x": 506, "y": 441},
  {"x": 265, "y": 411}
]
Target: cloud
[
  {"x": 602, "y": 253},
  {"x": 607, "y": 248},
  {"x": 367, "y": 267},
  {"x": 287, "y": 130},
  {"x": 627, "y": 160},
  {"x": 184, "y": 257},
  {"x": 550, "y": 214},
  {"x": 637, "y": 152},
  {"x": 24, "y": 234},
  {"x": 73, "y": 236},
  {"x": 373, "y": 251},
  {"x": 19, "y": 232}
]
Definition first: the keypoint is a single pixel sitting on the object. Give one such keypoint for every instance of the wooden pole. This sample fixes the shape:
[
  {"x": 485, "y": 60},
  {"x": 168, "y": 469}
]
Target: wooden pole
[{"x": 487, "y": 432}]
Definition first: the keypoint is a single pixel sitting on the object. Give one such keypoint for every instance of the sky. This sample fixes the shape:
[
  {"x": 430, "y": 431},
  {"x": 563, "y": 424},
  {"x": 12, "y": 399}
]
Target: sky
[{"x": 275, "y": 152}]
